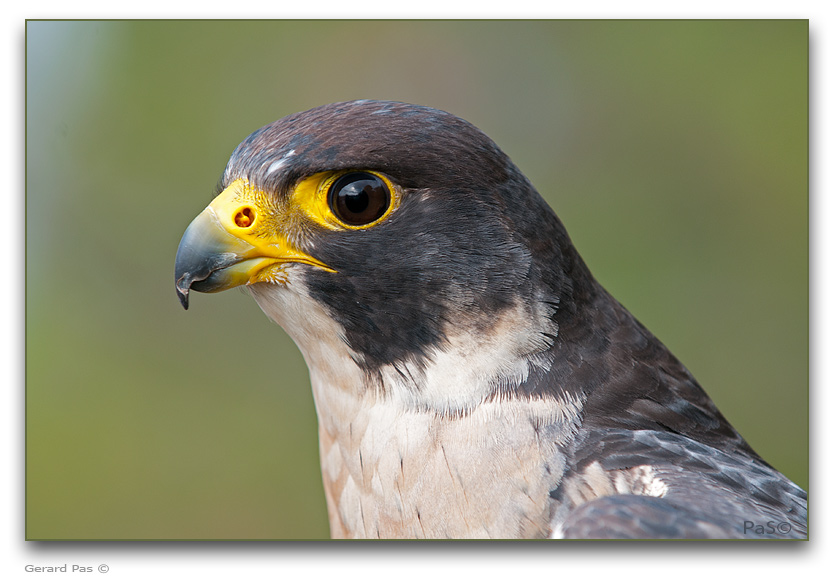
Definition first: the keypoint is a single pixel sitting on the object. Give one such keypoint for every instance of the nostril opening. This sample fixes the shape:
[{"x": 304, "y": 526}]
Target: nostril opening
[{"x": 245, "y": 217}]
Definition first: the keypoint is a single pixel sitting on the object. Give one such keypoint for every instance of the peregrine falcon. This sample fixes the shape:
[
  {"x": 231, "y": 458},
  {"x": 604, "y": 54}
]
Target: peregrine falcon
[{"x": 471, "y": 377}]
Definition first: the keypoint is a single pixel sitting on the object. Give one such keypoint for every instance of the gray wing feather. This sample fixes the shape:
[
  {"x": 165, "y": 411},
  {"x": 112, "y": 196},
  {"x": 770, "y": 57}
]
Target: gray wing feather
[{"x": 701, "y": 492}]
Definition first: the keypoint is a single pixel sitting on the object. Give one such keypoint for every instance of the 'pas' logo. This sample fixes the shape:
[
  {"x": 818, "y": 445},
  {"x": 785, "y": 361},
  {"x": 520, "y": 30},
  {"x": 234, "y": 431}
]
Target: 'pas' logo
[{"x": 766, "y": 529}]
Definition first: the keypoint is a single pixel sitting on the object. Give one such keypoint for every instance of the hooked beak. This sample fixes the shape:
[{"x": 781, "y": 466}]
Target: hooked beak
[{"x": 230, "y": 244}]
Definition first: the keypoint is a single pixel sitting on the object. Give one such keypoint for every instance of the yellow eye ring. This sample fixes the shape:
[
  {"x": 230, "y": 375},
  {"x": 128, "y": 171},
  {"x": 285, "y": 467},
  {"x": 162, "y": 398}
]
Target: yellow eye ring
[
  {"x": 358, "y": 198},
  {"x": 367, "y": 198}
]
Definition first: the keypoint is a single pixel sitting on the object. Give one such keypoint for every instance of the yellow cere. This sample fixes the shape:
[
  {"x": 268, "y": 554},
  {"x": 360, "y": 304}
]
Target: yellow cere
[
  {"x": 264, "y": 229},
  {"x": 244, "y": 210}
]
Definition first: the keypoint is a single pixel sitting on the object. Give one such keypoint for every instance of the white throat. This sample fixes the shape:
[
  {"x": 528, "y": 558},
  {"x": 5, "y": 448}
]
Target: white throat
[{"x": 398, "y": 448}]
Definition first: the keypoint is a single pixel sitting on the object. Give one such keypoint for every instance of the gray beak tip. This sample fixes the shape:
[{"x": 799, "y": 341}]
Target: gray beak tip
[
  {"x": 183, "y": 296},
  {"x": 183, "y": 287}
]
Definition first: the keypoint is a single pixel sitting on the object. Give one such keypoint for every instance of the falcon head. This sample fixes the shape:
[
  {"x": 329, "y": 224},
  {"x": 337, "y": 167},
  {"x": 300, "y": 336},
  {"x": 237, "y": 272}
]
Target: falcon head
[
  {"x": 471, "y": 378},
  {"x": 385, "y": 234}
]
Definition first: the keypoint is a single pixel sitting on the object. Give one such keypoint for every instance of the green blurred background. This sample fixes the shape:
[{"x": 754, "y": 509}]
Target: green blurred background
[{"x": 675, "y": 152}]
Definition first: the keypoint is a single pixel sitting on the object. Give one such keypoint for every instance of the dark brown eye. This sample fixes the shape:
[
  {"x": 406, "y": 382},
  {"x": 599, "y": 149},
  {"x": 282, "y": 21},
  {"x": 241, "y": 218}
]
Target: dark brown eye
[{"x": 359, "y": 198}]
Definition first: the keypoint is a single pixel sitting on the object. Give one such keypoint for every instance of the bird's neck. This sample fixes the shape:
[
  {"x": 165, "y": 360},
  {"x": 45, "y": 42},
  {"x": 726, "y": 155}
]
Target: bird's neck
[{"x": 399, "y": 446}]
